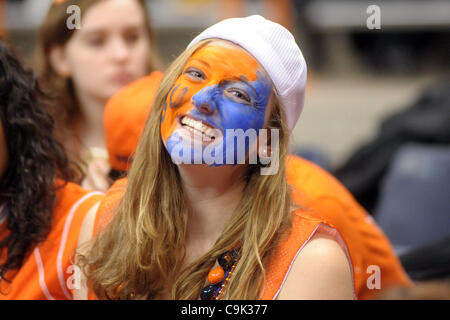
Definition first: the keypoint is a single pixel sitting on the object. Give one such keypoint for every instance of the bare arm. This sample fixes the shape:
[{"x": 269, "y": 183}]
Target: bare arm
[
  {"x": 85, "y": 237},
  {"x": 321, "y": 271}
]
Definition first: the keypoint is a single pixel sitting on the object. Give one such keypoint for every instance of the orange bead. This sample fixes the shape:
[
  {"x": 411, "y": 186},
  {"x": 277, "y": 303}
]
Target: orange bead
[{"x": 216, "y": 275}]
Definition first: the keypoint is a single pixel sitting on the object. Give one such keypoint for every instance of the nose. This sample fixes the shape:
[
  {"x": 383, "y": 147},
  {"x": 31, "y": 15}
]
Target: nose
[
  {"x": 119, "y": 50},
  {"x": 204, "y": 100}
]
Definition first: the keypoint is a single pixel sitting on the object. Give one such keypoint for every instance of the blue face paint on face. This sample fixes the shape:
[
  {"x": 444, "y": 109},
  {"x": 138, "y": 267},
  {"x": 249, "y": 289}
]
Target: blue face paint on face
[{"x": 230, "y": 104}]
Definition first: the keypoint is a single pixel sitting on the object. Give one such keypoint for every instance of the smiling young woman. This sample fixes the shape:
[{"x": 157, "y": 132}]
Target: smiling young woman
[
  {"x": 229, "y": 91},
  {"x": 216, "y": 231}
]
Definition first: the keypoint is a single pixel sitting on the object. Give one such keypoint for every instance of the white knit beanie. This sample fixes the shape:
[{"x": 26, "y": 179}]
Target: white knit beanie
[{"x": 274, "y": 47}]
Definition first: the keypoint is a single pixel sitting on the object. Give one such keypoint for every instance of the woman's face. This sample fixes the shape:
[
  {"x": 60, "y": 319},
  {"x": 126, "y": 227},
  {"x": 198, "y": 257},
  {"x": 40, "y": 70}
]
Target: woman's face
[
  {"x": 3, "y": 151},
  {"x": 222, "y": 88},
  {"x": 110, "y": 49}
]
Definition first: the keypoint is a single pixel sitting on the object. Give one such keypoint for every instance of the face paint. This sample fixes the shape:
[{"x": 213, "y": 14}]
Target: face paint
[{"x": 222, "y": 87}]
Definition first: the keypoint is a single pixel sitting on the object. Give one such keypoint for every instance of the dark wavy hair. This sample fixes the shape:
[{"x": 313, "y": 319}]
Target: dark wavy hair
[{"x": 28, "y": 187}]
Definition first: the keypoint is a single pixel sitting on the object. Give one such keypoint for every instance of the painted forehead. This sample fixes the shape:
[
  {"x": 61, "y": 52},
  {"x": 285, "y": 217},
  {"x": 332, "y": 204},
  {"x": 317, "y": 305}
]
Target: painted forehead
[{"x": 224, "y": 60}]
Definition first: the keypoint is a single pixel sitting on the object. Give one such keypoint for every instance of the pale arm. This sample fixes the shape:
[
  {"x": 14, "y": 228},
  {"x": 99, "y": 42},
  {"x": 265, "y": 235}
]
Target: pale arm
[{"x": 85, "y": 237}]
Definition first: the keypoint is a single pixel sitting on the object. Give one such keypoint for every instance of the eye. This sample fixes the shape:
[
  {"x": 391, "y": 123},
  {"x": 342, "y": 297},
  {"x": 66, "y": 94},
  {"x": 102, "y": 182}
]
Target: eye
[
  {"x": 195, "y": 74},
  {"x": 96, "y": 40},
  {"x": 239, "y": 95},
  {"x": 131, "y": 37}
]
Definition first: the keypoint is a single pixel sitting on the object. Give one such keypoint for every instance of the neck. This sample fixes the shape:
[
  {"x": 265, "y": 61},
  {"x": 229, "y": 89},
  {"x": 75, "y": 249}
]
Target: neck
[
  {"x": 92, "y": 133},
  {"x": 212, "y": 195}
]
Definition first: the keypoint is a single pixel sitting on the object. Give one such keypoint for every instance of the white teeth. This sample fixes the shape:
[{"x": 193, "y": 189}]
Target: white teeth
[
  {"x": 196, "y": 126},
  {"x": 209, "y": 133},
  {"x": 205, "y": 128}
]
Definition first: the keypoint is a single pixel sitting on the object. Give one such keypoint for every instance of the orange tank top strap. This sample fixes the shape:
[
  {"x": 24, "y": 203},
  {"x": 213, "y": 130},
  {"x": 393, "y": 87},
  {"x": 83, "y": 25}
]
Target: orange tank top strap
[
  {"x": 108, "y": 204},
  {"x": 303, "y": 228},
  {"x": 105, "y": 213}
]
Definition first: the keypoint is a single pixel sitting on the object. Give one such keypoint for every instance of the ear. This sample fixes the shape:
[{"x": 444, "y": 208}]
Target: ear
[
  {"x": 265, "y": 139},
  {"x": 59, "y": 62},
  {"x": 269, "y": 152},
  {"x": 264, "y": 143}
]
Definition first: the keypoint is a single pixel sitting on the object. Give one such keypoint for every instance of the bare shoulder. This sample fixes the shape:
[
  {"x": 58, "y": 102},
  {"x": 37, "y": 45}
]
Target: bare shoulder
[
  {"x": 84, "y": 239},
  {"x": 87, "y": 228},
  {"x": 320, "y": 271}
]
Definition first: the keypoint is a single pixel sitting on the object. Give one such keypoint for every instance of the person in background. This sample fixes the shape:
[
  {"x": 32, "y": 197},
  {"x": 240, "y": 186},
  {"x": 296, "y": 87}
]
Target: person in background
[
  {"x": 84, "y": 67},
  {"x": 124, "y": 119},
  {"x": 41, "y": 208}
]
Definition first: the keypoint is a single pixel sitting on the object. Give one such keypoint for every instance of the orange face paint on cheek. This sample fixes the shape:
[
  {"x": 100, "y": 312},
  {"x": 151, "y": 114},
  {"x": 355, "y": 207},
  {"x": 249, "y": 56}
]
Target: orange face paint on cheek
[{"x": 218, "y": 63}]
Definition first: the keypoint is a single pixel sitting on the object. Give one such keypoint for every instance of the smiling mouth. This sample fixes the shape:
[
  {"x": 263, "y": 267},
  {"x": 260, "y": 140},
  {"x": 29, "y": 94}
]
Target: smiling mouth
[{"x": 197, "y": 127}]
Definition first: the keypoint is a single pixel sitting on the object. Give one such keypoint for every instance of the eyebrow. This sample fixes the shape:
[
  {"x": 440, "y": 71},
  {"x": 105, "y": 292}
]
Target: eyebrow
[
  {"x": 96, "y": 30},
  {"x": 206, "y": 64},
  {"x": 247, "y": 82},
  {"x": 241, "y": 78}
]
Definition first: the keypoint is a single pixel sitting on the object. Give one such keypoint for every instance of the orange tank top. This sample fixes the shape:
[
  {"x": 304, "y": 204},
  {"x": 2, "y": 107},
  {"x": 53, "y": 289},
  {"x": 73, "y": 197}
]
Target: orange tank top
[
  {"x": 326, "y": 207},
  {"x": 304, "y": 227},
  {"x": 46, "y": 271}
]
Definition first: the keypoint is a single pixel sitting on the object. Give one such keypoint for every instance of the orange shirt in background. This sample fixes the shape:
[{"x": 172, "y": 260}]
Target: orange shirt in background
[
  {"x": 125, "y": 116},
  {"x": 370, "y": 251},
  {"x": 45, "y": 272}
]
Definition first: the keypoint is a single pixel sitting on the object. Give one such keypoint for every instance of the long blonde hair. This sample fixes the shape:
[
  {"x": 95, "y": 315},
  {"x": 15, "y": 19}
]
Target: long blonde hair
[{"x": 140, "y": 253}]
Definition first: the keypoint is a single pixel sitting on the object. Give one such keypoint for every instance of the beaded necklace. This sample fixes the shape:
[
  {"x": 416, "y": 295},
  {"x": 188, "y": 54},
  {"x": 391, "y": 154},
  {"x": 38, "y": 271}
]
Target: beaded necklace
[{"x": 219, "y": 277}]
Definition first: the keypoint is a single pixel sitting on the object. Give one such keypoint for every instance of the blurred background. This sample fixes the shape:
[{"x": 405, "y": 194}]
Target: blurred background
[
  {"x": 357, "y": 76},
  {"x": 377, "y": 112}
]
